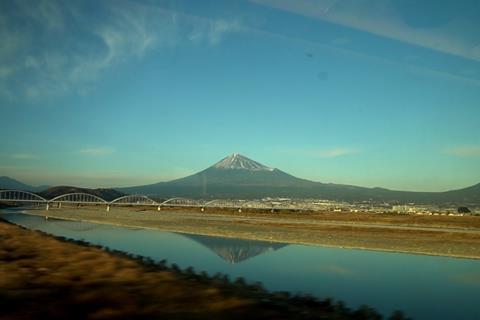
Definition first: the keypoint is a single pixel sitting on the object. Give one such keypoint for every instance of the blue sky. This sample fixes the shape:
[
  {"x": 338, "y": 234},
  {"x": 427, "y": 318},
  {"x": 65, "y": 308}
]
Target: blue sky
[{"x": 118, "y": 93}]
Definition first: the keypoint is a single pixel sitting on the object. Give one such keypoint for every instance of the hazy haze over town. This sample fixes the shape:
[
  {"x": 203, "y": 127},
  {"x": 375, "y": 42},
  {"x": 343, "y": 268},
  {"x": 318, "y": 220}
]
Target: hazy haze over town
[{"x": 122, "y": 93}]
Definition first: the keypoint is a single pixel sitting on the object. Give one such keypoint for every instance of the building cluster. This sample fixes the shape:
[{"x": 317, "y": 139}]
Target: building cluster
[{"x": 373, "y": 207}]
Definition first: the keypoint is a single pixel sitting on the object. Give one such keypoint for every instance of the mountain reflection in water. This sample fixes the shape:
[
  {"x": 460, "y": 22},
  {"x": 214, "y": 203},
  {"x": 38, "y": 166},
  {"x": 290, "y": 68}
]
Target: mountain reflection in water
[{"x": 235, "y": 250}]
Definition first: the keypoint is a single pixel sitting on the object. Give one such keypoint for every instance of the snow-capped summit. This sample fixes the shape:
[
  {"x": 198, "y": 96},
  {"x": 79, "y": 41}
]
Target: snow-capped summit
[{"x": 237, "y": 161}]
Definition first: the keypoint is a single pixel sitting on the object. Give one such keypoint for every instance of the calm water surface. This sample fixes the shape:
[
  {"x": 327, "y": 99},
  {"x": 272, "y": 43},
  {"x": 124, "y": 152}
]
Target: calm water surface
[{"x": 424, "y": 287}]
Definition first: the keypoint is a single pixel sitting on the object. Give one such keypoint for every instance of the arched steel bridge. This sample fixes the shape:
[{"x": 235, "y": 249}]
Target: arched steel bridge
[{"x": 19, "y": 196}]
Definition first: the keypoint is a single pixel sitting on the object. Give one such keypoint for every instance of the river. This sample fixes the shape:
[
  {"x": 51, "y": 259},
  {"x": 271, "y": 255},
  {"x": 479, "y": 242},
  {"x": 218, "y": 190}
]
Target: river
[{"x": 423, "y": 287}]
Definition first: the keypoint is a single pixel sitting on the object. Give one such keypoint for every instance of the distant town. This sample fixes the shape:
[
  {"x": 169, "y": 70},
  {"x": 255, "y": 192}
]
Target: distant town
[{"x": 373, "y": 207}]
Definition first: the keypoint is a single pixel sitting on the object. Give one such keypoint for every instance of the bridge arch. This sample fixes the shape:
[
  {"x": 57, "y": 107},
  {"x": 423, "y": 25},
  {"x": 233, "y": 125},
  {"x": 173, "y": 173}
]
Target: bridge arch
[
  {"x": 78, "y": 197},
  {"x": 134, "y": 199},
  {"x": 209, "y": 203},
  {"x": 12, "y": 195},
  {"x": 172, "y": 200},
  {"x": 185, "y": 202}
]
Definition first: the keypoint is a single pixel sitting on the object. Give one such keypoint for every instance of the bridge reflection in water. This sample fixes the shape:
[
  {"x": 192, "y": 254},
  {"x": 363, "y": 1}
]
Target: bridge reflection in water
[{"x": 59, "y": 224}]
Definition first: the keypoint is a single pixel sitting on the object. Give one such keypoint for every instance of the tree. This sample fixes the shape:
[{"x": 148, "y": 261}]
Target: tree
[{"x": 463, "y": 210}]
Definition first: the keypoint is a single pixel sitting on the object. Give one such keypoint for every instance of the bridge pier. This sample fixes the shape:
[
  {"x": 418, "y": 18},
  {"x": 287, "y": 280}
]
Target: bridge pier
[
  {"x": 158, "y": 208},
  {"x": 108, "y": 208},
  {"x": 203, "y": 209},
  {"x": 239, "y": 209},
  {"x": 47, "y": 207},
  {"x": 59, "y": 205}
]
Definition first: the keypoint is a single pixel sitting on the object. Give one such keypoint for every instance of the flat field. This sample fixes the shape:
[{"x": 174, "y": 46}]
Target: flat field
[{"x": 433, "y": 235}]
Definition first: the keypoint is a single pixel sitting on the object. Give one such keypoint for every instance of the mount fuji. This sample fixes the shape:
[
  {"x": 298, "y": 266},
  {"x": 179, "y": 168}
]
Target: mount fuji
[
  {"x": 232, "y": 177},
  {"x": 237, "y": 176}
]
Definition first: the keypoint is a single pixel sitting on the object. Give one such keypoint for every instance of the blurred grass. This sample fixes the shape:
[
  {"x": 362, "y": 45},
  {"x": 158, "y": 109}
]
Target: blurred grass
[{"x": 43, "y": 277}]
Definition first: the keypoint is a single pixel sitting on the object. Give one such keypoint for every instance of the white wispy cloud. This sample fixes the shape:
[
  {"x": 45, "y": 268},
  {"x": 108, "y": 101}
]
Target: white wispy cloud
[
  {"x": 36, "y": 67},
  {"x": 219, "y": 28},
  {"x": 408, "y": 63},
  {"x": 23, "y": 156},
  {"x": 385, "y": 19},
  {"x": 320, "y": 152},
  {"x": 464, "y": 151},
  {"x": 97, "y": 151},
  {"x": 337, "y": 152}
]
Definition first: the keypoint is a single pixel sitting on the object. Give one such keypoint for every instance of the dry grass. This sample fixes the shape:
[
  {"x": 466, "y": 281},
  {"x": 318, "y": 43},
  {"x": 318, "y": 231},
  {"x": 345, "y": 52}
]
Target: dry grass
[{"x": 356, "y": 217}]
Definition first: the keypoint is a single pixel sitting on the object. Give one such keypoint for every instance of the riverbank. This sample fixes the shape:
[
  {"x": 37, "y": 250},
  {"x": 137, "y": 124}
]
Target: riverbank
[
  {"x": 431, "y": 235},
  {"x": 46, "y": 277}
]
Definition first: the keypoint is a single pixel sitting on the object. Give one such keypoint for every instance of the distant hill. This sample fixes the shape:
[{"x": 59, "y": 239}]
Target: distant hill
[
  {"x": 106, "y": 194},
  {"x": 9, "y": 183},
  {"x": 239, "y": 177},
  {"x": 236, "y": 176},
  {"x": 51, "y": 192}
]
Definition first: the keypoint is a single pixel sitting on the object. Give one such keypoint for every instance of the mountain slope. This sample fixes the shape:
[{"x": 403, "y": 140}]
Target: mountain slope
[
  {"x": 466, "y": 195},
  {"x": 237, "y": 161},
  {"x": 237, "y": 176},
  {"x": 233, "y": 176},
  {"x": 12, "y": 184}
]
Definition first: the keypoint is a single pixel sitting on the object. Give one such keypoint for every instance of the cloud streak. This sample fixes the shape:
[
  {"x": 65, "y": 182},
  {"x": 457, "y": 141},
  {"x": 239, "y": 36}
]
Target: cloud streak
[
  {"x": 23, "y": 156},
  {"x": 65, "y": 49},
  {"x": 338, "y": 152},
  {"x": 320, "y": 153},
  {"x": 385, "y": 18},
  {"x": 464, "y": 151},
  {"x": 97, "y": 151},
  {"x": 338, "y": 45}
]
